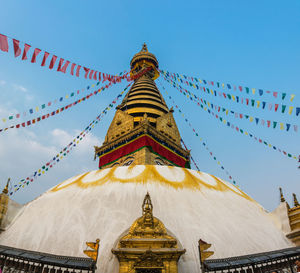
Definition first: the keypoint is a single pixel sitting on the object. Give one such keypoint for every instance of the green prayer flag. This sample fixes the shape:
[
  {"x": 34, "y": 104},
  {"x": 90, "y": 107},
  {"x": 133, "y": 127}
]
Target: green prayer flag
[
  {"x": 247, "y": 90},
  {"x": 265, "y": 143},
  {"x": 10, "y": 117},
  {"x": 229, "y": 96},
  {"x": 283, "y": 95},
  {"x": 289, "y": 155},
  {"x": 274, "y": 124},
  {"x": 283, "y": 108},
  {"x": 72, "y": 94},
  {"x": 43, "y": 106}
]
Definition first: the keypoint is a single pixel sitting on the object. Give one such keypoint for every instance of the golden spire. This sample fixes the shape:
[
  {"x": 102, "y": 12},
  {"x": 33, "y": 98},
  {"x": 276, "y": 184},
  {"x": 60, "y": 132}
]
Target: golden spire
[
  {"x": 147, "y": 210},
  {"x": 145, "y": 49},
  {"x": 281, "y": 195},
  {"x": 5, "y": 190},
  {"x": 296, "y": 203}
]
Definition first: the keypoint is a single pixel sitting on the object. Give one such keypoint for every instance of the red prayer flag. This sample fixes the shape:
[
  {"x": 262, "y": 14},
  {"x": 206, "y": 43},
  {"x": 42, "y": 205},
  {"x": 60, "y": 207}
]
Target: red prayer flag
[
  {"x": 77, "y": 70},
  {"x": 18, "y": 126},
  {"x": 95, "y": 75},
  {"x": 64, "y": 68},
  {"x": 46, "y": 54},
  {"x": 3, "y": 43},
  {"x": 275, "y": 94},
  {"x": 52, "y": 63},
  {"x": 91, "y": 74},
  {"x": 86, "y": 71},
  {"x": 17, "y": 48},
  {"x": 72, "y": 68},
  {"x": 276, "y": 107},
  {"x": 99, "y": 76},
  {"x": 269, "y": 123},
  {"x": 26, "y": 48},
  {"x": 60, "y": 64},
  {"x": 34, "y": 55}
]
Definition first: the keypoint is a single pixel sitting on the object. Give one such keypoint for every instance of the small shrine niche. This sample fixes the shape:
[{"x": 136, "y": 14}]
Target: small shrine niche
[{"x": 148, "y": 247}]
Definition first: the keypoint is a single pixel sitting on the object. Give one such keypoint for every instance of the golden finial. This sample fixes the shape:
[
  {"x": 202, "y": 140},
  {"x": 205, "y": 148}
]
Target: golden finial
[
  {"x": 145, "y": 49},
  {"x": 296, "y": 203},
  {"x": 5, "y": 190},
  {"x": 281, "y": 195}
]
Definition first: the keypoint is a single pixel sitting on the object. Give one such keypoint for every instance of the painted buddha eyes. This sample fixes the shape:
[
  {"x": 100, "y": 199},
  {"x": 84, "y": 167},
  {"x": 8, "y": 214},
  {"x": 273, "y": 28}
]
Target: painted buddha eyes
[{"x": 128, "y": 163}]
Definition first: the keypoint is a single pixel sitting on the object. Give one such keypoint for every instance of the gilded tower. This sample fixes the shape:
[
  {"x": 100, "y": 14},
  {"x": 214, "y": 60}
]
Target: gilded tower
[{"x": 143, "y": 131}]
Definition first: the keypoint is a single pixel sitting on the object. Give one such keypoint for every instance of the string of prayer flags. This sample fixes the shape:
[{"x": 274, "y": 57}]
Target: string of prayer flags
[
  {"x": 238, "y": 99},
  {"x": 192, "y": 80},
  {"x": 62, "y": 63},
  {"x": 238, "y": 129},
  {"x": 175, "y": 106},
  {"x": 57, "y": 111},
  {"x": 190, "y": 155},
  {"x": 66, "y": 150},
  {"x": 52, "y": 102},
  {"x": 218, "y": 108}
]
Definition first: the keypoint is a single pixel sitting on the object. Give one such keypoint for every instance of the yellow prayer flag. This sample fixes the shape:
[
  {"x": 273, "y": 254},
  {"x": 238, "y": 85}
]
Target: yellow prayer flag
[
  {"x": 77, "y": 142},
  {"x": 93, "y": 85},
  {"x": 258, "y": 103},
  {"x": 219, "y": 163},
  {"x": 4, "y": 119},
  {"x": 201, "y": 138},
  {"x": 211, "y": 91},
  {"x": 205, "y": 108},
  {"x": 61, "y": 157},
  {"x": 253, "y": 91},
  {"x": 251, "y": 119},
  {"x": 208, "y": 103},
  {"x": 187, "y": 96},
  {"x": 292, "y": 97},
  {"x": 281, "y": 126},
  {"x": 226, "y": 111},
  {"x": 233, "y": 97},
  {"x": 37, "y": 108},
  {"x": 270, "y": 145},
  {"x": 43, "y": 172},
  {"x": 246, "y": 133},
  {"x": 294, "y": 157},
  {"x": 224, "y": 121},
  {"x": 223, "y": 85},
  {"x": 67, "y": 96},
  {"x": 39, "y": 170},
  {"x": 194, "y": 85},
  {"x": 291, "y": 109},
  {"x": 200, "y": 80}
]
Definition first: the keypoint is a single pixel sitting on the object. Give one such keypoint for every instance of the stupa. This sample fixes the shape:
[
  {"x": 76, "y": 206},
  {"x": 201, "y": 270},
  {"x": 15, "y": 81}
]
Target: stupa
[{"x": 144, "y": 203}]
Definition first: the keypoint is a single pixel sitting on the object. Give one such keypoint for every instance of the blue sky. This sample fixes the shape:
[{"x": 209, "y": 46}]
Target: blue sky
[{"x": 249, "y": 43}]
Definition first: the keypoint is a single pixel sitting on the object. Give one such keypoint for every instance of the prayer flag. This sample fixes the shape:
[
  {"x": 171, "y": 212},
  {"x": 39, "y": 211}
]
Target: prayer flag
[
  {"x": 64, "y": 68},
  {"x": 95, "y": 75},
  {"x": 26, "y": 48},
  {"x": 283, "y": 108},
  {"x": 72, "y": 68},
  {"x": 3, "y": 43},
  {"x": 52, "y": 63},
  {"x": 263, "y": 105},
  {"x": 276, "y": 107},
  {"x": 275, "y": 94},
  {"x": 274, "y": 124},
  {"x": 34, "y": 55},
  {"x": 292, "y": 97},
  {"x": 283, "y": 96},
  {"x": 60, "y": 64},
  {"x": 91, "y": 74},
  {"x": 77, "y": 70},
  {"x": 86, "y": 71},
  {"x": 17, "y": 49},
  {"x": 46, "y": 54},
  {"x": 291, "y": 109},
  {"x": 260, "y": 92},
  {"x": 288, "y": 126},
  {"x": 297, "y": 111}
]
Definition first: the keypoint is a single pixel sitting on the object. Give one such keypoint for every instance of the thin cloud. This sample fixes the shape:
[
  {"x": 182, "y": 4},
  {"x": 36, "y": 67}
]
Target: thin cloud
[
  {"x": 19, "y": 87},
  {"x": 2, "y": 82}
]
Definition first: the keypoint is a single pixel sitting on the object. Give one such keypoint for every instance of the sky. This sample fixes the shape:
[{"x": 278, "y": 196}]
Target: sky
[{"x": 249, "y": 43}]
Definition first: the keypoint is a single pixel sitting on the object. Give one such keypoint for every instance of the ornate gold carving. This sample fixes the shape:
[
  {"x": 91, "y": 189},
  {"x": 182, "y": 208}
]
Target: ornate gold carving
[
  {"x": 281, "y": 195},
  {"x": 294, "y": 219},
  {"x": 148, "y": 245},
  {"x": 4, "y": 203}
]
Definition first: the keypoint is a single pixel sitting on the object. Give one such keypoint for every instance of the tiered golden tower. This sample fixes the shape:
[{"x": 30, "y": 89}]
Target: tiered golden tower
[{"x": 143, "y": 131}]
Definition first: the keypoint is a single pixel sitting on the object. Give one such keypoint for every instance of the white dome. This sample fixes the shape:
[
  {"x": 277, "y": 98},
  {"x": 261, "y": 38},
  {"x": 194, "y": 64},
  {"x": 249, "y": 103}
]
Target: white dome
[{"x": 104, "y": 203}]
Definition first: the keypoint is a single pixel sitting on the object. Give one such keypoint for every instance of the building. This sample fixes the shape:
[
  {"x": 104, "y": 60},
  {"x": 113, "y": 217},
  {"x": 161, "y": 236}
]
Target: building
[{"x": 145, "y": 204}]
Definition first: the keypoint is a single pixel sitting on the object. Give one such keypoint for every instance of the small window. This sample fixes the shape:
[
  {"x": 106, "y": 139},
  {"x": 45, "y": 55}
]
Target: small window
[
  {"x": 158, "y": 162},
  {"x": 118, "y": 122}
]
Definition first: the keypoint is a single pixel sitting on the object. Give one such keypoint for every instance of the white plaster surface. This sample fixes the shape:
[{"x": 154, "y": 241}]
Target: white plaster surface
[{"x": 61, "y": 222}]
